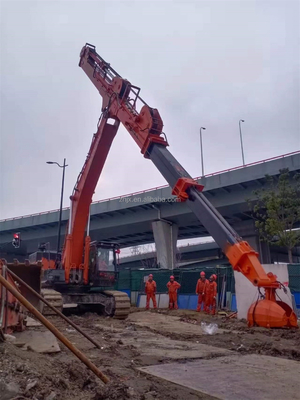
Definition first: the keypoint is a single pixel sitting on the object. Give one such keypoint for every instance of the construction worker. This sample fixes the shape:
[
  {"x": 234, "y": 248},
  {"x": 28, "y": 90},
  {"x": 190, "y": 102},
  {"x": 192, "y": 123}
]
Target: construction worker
[
  {"x": 150, "y": 289},
  {"x": 211, "y": 295},
  {"x": 173, "y": 286},
  {"x": 201, "y": 291}
]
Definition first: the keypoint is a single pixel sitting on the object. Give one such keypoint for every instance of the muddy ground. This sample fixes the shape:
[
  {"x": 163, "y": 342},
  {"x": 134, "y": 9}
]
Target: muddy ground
[{"x": 145, "y": 338}]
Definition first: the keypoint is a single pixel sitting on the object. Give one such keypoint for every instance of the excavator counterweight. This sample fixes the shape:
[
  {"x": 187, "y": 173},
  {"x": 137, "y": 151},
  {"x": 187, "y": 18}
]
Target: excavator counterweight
[{"x": 120, "y": 99}]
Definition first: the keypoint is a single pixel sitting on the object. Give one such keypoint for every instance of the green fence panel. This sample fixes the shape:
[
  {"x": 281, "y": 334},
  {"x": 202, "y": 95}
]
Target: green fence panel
[
  {"x": 124, "y": 281},
  {"x": 294, "y": 277},
  {"x": 189, "y": 278},
  {"x": 135, "y": 279},
  {"x": 161, "y": 278}
]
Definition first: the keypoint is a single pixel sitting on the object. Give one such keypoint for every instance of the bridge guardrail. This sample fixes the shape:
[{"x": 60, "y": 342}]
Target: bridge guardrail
[{"x": 158, "y": 187}]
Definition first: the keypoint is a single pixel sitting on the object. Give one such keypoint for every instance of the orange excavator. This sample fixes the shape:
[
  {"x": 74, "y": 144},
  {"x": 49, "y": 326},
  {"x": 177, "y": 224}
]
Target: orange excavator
[{"x": 120, "y": 100}]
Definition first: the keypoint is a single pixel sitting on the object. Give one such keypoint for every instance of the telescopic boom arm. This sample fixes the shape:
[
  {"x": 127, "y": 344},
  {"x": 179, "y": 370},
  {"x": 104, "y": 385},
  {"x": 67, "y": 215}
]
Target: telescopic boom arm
[
  {"x": 120, "y": 99},
  {"x": 145, "y": 127}
]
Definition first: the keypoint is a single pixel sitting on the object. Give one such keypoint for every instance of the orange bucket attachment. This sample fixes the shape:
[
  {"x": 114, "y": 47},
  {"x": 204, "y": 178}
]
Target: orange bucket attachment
[
  {"x": 272, "y": 314},
  {"x": 30, "y": 274}
]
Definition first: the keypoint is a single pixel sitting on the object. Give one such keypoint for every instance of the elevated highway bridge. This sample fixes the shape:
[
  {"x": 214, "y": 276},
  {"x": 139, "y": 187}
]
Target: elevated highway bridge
[{"x": 128, "y": 219}]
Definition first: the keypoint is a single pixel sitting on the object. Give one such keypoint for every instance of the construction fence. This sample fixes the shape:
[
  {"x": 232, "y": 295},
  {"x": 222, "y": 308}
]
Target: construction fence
[
  {"x": 294, "y": 282},
  {"x": 133, "y": 283}
]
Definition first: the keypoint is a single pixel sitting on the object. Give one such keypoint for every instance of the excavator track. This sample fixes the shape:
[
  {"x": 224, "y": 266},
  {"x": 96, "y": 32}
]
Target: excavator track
[
  {"x": 54, "y": 298},
  {"x": 121, "y": 303}
]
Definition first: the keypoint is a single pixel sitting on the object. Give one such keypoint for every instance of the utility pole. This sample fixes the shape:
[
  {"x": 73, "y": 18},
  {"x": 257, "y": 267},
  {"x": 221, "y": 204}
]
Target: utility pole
[
  {"x": 201, "y": 148},
  {"x": 61, "y": 201},
  {"x": 241, "y": 138}
]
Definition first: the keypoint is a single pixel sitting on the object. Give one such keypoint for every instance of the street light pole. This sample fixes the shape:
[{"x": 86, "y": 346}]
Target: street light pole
[
  {"x": 61, "y": 201},
  {"x": 241, "y": 138},
  {"x": 201, "y": 147}
]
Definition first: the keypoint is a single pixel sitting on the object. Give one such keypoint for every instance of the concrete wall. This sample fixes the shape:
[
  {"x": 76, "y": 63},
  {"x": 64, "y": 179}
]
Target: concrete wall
[{"x": 246, "y": 293}]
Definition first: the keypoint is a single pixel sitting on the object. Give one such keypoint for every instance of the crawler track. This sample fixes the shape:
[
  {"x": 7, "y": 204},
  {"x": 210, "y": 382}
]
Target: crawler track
[
  {"x": 121, "y": 304},
  {"x": 54, "y": 298}
]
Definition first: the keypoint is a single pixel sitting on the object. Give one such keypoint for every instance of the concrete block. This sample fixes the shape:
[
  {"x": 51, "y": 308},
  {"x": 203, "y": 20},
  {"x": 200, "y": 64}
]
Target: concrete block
[
  {"x": 134, "y": 297},
  {"x": 142, "y": 301},
  {"x": 41, "y": 342},
  {"x": 235, "y": 377},
  {"x": 163, "y": 301}
]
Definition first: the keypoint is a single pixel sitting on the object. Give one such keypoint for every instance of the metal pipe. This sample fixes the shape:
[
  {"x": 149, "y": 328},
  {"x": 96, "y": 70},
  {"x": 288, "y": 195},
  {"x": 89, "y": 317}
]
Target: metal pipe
[
  {"x": 18, "y": 279},
  {"x": 54, "y": 330},
  {"x": 61, "y": 203},
  {"x": 60, "y": 208}
]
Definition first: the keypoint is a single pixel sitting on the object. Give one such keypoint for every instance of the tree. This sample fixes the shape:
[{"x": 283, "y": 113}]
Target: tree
[{"x": 276, "y": 210}]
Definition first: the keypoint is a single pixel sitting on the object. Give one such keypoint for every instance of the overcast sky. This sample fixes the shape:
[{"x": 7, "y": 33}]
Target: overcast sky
[{"x": 201, "y": 63}]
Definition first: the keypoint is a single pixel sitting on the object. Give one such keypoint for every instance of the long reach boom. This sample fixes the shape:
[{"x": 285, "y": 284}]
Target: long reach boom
[{"x": 120, "y": 100}]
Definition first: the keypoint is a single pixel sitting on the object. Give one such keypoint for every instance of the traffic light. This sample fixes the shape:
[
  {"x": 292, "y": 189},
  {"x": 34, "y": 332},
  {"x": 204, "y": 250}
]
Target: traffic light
[
  {"x": 16, "y": 240},
  {"x": 42, "y": 246}
]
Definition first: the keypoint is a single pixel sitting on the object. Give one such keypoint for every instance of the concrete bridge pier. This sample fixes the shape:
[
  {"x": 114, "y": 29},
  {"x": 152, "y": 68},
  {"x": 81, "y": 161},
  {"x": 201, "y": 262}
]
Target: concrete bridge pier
[
  {"x": 249, "y": 233},
  {"x": 165, "y": 237},
  {"x": 261, "y": 247}
]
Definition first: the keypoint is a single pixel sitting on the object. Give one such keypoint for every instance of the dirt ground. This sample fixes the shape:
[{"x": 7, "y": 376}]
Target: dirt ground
[{"x": 145, "y": 338}]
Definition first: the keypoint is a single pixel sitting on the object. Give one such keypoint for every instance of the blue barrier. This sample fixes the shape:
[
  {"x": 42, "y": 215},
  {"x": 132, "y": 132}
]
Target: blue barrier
[
  {"x": 187, "y": 301},
  {"x": 183, "y": 301},
  {"x": 297, "y": 299},
  {"x": 233, "y": 303},
  {"x": 193, "y": 301},
  {"x": 138, "y": 300}
]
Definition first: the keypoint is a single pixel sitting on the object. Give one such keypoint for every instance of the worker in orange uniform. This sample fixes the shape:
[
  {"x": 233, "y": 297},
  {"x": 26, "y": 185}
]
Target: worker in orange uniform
[
  {"x": 173, "y": 286},
  {"x": 211, "y": 295},
  {"x": 150, "y": 289},
  {"x": 201, "y": 290}
]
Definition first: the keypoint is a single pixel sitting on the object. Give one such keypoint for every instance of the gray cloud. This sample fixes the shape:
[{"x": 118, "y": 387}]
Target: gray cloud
[{"x": 200, "y": 63}]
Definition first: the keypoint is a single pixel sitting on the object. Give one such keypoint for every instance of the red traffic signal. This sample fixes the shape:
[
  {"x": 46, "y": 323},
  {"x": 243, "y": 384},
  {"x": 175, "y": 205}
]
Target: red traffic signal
[{"x": 16, "y": 240}]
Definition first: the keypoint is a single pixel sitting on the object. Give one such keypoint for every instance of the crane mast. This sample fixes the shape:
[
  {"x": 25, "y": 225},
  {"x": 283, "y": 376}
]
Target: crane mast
[{"x": 120, "y": 99}]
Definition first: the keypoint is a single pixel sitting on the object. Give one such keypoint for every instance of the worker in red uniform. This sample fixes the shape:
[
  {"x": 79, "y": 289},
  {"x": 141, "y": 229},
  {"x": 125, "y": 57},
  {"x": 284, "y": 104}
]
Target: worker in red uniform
[
  {"x": 201, "y": 291},
  {"x": 211, "y": 295},
  {"x": 150, "y": 289},
  {"x": 173, "y": 286}
]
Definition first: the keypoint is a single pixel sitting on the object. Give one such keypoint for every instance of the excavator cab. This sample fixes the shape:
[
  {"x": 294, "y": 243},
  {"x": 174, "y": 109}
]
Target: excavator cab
[
  {"x": 48, "y": 258},
  {"x": 103, "y": 264}
]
